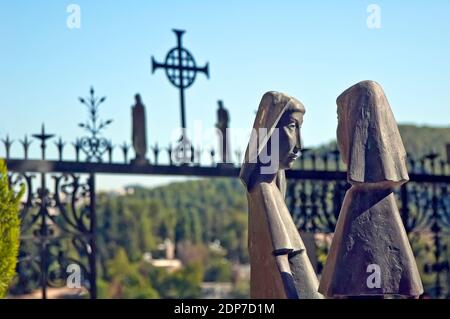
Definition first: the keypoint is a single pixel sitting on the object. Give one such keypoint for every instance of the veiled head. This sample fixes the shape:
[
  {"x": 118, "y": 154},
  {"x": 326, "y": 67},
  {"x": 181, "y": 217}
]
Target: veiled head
[
  {"x": 368, "y": 136},
  {"x": 275, "y": 142}
]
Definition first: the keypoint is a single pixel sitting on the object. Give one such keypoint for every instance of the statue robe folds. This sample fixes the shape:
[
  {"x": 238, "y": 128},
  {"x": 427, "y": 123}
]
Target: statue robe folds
[
  {"x": 271, "y": 228},
  {"x": 370, "y": 254}
]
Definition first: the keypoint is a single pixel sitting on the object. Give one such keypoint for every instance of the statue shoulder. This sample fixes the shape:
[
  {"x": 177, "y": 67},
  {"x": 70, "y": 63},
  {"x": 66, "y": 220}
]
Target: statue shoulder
[{"x": 264, "y": 190}]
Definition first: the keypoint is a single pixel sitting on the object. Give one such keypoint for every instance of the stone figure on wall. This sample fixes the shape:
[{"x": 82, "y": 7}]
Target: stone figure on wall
[
  {"x": 139, "y": 136},
  {"x": 222, "y": 125}
]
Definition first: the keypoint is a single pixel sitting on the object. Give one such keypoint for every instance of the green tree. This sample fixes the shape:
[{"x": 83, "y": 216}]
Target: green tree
[
  {"x": 126, "y": 280},
  {"x": 183, "y": 283},
  {"x": 218, "y": 270},
  {"x": 9, "y": 230},
  {"x": 196, "y": 226}
]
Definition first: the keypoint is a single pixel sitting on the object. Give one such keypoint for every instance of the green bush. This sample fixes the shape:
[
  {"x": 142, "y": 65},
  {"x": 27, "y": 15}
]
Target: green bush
[
  {"x": 9, "y": 230},
  {"x": 182, "y": 283},
  {"x": 218, "y": 270},
  {"x": 126, "y": 280}
]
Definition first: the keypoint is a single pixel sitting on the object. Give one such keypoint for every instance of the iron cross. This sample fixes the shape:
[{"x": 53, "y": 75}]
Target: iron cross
[
  {"x": 181, "y": 70},
  {"x": 43, "y": 137}
]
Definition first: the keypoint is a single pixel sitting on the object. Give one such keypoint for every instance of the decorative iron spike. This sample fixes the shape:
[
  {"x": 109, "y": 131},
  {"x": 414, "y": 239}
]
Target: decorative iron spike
[
  {"x": 305, "y": 151},
  {"x": 412, "y": 163},
  {"x": 60, "y": 145},
  {"x": 313, "y": 159},
  {"x": 26, "y": 145},
  {"x": 77, "y": 146},
  {"x": 7, "y": 142},
  {"x": 155, "y": 150},
  {"x": 336, "y": 154},
  {"x": 422, "y": 165},
  {"x": 325, "y": 160},
  {"x": 125, "y": 148},
  {"x": 110, "y": 148},
  {"x": 430, "y": 158},
  {"x": 192, "y": 153},
  {"x": 443, "y": 166},
  {"x": 447, "y": 149}
]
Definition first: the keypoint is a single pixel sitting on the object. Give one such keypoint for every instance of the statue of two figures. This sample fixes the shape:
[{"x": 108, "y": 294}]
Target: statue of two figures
[{"x": 370, "y": 255}]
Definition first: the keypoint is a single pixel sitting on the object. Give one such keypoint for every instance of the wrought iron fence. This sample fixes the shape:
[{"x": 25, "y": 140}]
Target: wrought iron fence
[{"x": 314, "y": 198}]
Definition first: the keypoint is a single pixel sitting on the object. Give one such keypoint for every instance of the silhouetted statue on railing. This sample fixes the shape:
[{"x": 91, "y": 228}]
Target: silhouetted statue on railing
[
  {"x": 222, "y": 125},
  {"x": 139, "y": 135},
  {"x": 370, "y": 254},
  {"x": 280, "y": 267}
]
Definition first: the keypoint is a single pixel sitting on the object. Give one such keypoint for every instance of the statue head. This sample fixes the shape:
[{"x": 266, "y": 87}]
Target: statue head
[
  {"x": 137, "y": 98},
  {"x": 368, "y": 136},
  {"x": 275, "y": 142}
]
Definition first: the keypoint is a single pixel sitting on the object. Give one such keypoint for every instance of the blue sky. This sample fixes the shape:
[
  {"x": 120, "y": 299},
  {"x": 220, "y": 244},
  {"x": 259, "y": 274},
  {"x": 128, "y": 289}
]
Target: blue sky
[{"x": 312, "y": 50}]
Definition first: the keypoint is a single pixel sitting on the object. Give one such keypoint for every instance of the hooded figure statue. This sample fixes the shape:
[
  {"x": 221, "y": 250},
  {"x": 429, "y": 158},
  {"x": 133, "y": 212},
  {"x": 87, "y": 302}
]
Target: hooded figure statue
[
  {"x": 370, "y": 254},
  {"x": 280, "y": 267}
]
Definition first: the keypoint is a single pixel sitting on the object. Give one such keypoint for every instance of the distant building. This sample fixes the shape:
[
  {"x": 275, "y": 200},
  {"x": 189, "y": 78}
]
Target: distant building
[{"x": 169, "y": 262}]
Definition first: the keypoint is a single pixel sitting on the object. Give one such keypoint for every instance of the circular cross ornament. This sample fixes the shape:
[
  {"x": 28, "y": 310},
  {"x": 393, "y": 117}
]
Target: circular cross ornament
[
  {"x": 181, "y": 67},
  {"x": 181, "y": 70}
]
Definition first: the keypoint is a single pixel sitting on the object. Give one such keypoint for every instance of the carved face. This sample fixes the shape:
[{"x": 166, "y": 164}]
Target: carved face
[{"x": 290, "y": 138}]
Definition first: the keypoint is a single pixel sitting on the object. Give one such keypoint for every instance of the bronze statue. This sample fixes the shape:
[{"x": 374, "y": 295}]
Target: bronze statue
[
  {"x": 139, "y": 136},
  {"x": 370, "y": 254},
  {"x": 222, "y": 124},
  {"x": 280, "y": 267}
]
